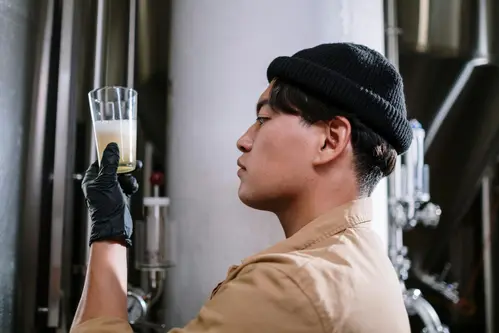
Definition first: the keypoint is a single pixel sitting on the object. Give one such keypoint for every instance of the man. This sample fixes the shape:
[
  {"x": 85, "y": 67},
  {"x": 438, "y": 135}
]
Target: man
[{"x": 328, "y": 128}]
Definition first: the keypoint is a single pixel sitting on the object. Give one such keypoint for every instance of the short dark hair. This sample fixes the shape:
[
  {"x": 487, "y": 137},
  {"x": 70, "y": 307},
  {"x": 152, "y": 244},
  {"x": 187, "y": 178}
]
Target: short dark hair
[{"x": 374, "y": 157}]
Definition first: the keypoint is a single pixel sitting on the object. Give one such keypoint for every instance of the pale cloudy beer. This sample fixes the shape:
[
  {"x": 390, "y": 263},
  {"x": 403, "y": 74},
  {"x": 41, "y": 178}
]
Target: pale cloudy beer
[
  {"x": 122, "y": 132},
  {"x": 114, "y": 119}
]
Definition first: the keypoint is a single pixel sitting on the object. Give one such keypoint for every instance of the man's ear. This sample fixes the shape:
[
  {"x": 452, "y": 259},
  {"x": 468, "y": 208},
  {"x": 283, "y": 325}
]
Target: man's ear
[{"x": 334, "y": 139}]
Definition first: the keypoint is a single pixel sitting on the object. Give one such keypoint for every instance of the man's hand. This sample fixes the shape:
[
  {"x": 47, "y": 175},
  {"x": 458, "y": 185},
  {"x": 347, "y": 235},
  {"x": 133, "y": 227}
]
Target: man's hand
[
  {"x": 105, "y": 289},
  {"x": 104, "y": 194}
]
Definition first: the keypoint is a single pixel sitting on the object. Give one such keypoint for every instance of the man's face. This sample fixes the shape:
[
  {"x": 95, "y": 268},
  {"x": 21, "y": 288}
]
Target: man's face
[{"x": 277, "y": 160}]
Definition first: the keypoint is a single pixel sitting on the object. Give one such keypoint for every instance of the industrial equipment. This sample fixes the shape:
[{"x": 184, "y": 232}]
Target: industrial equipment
[
  {"x": 409, "y": 205},
  {"x": 136, "y": 304},
  {"x": 193, "y": 64},
  {"x": 152, "y": 254}
]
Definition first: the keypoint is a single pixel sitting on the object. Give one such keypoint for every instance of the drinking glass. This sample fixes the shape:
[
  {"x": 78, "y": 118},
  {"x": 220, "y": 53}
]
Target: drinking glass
[{"x": 114, "y": 119}]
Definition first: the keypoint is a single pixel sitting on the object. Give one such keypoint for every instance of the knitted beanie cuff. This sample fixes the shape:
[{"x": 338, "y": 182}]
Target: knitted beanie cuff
[{"x": 336, "y": 89}]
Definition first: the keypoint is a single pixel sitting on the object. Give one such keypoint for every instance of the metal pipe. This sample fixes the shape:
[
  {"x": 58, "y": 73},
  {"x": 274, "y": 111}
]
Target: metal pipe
[
  {"x": 147, "y": 172},
  {"x": 423, "y": 26},
  {"x": 33, "y": 186},
  {"x": 482, "y": 47},
  {"x": 145, "y": 283},
  {"x": 63, "y": 159},
  {"x": 419, "y": 166},
  {"x": 98, "y": 77},
  {"x": 132, "y": 30},
  {"x": 392, "y": 32},
  {"x": 481, "y": 57},
  {"x": 417, "y": 305},
  {"x": 130, "y": 68},
  {"x": 158, "y": 290},
  {"x": 395, "y": 233},
  {"x": 451, "y": 99},
  {"x": 392, "y": 54},
  {"x": 487, "y": 255},
  {"x": 100, "y": 42}
]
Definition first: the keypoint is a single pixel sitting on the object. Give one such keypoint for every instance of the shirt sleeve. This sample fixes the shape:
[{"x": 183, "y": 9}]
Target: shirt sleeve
[
  {"x": 103, "y": 325},
  {"x": 262, "y": 298}
]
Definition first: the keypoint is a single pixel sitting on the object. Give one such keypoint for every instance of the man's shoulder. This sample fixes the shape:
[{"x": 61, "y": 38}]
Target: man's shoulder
[
  {"x": 304, "y": 280},
  {"x": 332, "y": 284},
  {"x": 300, "y": 267}
]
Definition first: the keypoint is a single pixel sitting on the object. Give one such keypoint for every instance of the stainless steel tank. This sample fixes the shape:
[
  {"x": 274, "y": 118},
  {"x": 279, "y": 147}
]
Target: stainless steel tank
[
  {"x": 17, "y": 37},
  {"x": 451, "y": 80}
]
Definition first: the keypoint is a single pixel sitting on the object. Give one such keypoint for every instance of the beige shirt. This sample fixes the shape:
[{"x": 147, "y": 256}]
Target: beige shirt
[{"x": 331, "y": 276}]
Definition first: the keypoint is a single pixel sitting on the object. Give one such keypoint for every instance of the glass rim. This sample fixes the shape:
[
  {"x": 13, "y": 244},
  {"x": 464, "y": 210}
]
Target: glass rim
[{"x": 94, "y": 91}]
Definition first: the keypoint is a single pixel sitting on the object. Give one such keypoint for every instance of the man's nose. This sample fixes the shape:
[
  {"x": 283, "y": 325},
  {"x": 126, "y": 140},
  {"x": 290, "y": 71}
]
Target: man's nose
[{"x": 245, "y": 143}]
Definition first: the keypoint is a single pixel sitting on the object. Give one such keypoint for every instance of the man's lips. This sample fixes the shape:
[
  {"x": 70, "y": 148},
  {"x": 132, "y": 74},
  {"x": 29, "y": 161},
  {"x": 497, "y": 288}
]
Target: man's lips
[
  {"x": 240, "y": 164},
  {"x": 242, "y": 168}
]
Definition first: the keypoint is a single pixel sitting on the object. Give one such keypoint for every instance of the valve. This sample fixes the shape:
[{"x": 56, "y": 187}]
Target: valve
[
  {"x": 429, "y": 214},
  {"x": 157, "y": 178}
]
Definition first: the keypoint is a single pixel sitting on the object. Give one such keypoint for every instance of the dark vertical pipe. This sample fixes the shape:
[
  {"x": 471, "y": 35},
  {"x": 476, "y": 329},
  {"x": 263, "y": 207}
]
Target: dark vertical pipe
[
  {"x": 26, "y": 306},
  {"x": 488, "y": 277}
]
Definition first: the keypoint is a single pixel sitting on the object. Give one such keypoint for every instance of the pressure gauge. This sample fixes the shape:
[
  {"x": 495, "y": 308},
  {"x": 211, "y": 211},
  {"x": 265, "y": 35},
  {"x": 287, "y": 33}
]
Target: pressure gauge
[{"x": 136, "y": 306}]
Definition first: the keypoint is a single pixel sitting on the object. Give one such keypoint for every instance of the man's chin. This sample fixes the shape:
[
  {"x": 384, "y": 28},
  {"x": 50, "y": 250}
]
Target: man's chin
[{"x": 254, "y": 201}]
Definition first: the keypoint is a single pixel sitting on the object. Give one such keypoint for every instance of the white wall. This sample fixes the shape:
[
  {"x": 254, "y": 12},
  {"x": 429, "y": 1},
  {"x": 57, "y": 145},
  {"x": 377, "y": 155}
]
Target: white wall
[{"x": 220, "y": 52}]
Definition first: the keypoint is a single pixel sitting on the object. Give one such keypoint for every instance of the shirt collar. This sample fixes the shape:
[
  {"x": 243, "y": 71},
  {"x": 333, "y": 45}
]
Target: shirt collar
[{"x": 335, "y": 221}]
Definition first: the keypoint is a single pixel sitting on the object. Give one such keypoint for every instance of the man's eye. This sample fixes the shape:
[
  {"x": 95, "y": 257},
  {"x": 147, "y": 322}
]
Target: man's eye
[{"x": 262, "y": 120}]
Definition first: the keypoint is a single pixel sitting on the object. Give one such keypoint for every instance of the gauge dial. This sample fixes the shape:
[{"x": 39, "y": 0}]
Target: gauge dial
[{"x": 136, "y": 307}]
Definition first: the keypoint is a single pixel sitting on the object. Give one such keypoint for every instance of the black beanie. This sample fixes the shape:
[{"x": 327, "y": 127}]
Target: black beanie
[{"x": 353, "y": 77}]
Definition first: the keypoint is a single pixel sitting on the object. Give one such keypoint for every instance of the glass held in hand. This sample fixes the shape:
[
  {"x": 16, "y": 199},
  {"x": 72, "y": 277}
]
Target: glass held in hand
[{"x": 114, "y": 119}]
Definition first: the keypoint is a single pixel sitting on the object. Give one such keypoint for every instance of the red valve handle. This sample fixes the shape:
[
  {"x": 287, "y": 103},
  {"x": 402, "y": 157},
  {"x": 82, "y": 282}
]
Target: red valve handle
[{"x": 157, "y": 178}]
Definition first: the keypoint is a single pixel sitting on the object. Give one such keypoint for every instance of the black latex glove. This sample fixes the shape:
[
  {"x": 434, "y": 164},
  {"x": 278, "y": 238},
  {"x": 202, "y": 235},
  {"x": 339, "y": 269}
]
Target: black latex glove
[{"x": 106, "y": 198}]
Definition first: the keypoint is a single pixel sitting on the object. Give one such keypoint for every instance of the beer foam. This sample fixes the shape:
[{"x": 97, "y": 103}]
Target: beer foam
[
  {"x": 123, "y": 132},
  {"x": 116, "y": 126}
]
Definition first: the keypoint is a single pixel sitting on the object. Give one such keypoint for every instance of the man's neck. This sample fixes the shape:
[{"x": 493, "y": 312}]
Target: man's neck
[{"x": 304, "y": 210}]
